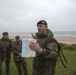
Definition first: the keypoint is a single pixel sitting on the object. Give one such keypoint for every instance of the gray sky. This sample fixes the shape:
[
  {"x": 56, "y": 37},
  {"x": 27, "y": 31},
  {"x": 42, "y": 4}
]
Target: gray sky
[{"x": 22, "y": 15}]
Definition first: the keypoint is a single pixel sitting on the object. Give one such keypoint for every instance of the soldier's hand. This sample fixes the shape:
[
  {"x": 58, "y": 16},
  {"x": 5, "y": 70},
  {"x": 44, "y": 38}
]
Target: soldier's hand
[
  {"x": 33, "y": 35},
  {"x": 35, "y": 47},
  {"x": 19, "y": 55}
]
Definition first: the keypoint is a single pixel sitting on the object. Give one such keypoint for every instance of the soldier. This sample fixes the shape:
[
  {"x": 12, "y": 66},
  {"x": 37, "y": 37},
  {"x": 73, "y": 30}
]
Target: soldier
[
  {"x": 5, "y": 51},
  {"x": 46, "y": 52},
  {"x": 0, "y": 61},
  {"x": 19, "y": 61}
]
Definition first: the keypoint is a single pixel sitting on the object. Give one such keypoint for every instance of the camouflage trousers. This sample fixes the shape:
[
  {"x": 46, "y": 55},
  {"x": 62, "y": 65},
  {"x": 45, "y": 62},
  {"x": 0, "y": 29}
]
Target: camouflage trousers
[
  {"x": 43, "y": 67},
  {"x": 0, "y": 67},
  {"x": 21, "y": 65},
  {"x": 7, "y": 66}
]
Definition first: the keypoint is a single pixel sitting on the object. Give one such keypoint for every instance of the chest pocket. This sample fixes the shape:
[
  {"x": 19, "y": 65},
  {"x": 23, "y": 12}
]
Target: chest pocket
[
  {"x": 41, "y": 42},
  {"x": 18, "y": 47},
  {"x": 5, "y": 45}
]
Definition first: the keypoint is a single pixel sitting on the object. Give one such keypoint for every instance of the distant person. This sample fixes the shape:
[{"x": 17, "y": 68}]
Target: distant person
[
  {"x": 46, "y": 52},
  {"x": 0, "y": 62},
  {"x": 19, "y": 60},
  {"x": 5, "y": 51}
]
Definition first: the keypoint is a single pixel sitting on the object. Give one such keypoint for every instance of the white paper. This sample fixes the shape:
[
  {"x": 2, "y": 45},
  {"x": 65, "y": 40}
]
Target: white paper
[{"x": 26, "y": 51}]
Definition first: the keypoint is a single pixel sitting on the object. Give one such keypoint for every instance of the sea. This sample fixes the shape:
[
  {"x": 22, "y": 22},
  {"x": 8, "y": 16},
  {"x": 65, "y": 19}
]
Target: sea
[{"x": 56, "y": 33}]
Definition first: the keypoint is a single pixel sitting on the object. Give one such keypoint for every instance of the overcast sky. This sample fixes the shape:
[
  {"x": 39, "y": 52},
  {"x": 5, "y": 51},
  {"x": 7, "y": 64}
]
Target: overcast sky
[{"x": 22, "y": 15}]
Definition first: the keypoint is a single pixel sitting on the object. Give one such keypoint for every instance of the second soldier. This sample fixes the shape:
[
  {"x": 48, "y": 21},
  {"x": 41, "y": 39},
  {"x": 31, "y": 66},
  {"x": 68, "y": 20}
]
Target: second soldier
[{"x": 19, "y": 61}]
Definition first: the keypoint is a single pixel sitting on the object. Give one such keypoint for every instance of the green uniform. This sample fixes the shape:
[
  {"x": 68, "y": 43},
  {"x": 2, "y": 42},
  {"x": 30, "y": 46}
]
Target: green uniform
[
  {"x": 19, "y": 61},
  {"x": 5, "y": 50},
  {"x": 44, "y": 63},
  {"x": 0, "y": 63}
]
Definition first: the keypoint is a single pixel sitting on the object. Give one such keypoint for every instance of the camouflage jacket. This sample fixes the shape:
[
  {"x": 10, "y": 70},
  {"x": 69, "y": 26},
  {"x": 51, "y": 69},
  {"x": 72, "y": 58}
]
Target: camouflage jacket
[
  {"x": 5, "y": 48},
  {"x": 49, "y": 49},
  {"x": 17, "y": 48}
]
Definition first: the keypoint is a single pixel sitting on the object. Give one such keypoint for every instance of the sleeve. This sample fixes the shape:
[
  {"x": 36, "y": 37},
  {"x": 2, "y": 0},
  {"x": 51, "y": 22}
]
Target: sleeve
[
  {"x": 0, "y": 48},
  {"x": 11, "y": 43},
  {"x": 0, "y": 51},
  {"x": 51, "y": 50},
  {"x": 14, "y": 49}
]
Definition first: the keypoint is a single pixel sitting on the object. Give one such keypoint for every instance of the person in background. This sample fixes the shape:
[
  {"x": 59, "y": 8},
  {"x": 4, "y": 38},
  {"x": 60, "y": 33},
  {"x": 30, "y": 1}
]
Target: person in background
[
  {"x": 19, "y": 60},
  {"x": 46, "y": 52},
  {"x": 5, "y": 51}
]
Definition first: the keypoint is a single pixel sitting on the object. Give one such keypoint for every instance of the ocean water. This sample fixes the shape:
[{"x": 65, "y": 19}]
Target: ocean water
[
  {"x": 56, "y": 33},
  {"x": 65, "y": 33}
]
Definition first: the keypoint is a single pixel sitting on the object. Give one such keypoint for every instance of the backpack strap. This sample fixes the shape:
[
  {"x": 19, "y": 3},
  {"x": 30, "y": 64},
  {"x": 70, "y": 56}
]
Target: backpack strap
[
  {"x": 59, "y": 49},
  {"x": 50, "y": 40}
]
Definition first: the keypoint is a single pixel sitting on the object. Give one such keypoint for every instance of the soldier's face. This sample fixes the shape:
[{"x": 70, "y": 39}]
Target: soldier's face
[
  {"x": 6, "y": 36},
  {"x": 41, "y": 28},
  {"x": 17, "y": 40}
]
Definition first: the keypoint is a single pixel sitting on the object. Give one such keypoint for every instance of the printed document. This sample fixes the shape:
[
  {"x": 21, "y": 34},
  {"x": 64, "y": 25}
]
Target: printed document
[{"x": 26, "y": 51}]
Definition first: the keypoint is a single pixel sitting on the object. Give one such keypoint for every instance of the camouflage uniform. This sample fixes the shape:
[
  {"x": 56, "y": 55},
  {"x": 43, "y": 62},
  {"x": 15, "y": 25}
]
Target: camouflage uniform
[
  {"x": 5, "y": 50},
  {"x": 19, "y": 61},
  {"x": 0, "y": 62},
  {"x": 44, "y": 63}
]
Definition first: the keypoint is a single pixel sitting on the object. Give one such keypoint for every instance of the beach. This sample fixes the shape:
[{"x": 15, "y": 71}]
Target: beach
[
  {"x": 66, "y": 40},
  {"x": 61, "y": 39}
]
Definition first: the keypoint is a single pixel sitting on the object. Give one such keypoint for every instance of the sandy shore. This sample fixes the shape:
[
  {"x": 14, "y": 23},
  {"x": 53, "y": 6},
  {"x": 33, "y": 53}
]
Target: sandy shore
[
  {"x": 66, "y": 40},
  {"x": 62, "y": 39}
]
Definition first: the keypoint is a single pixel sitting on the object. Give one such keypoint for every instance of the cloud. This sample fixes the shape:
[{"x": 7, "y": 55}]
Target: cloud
[{"x": 22, "y": 15}]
